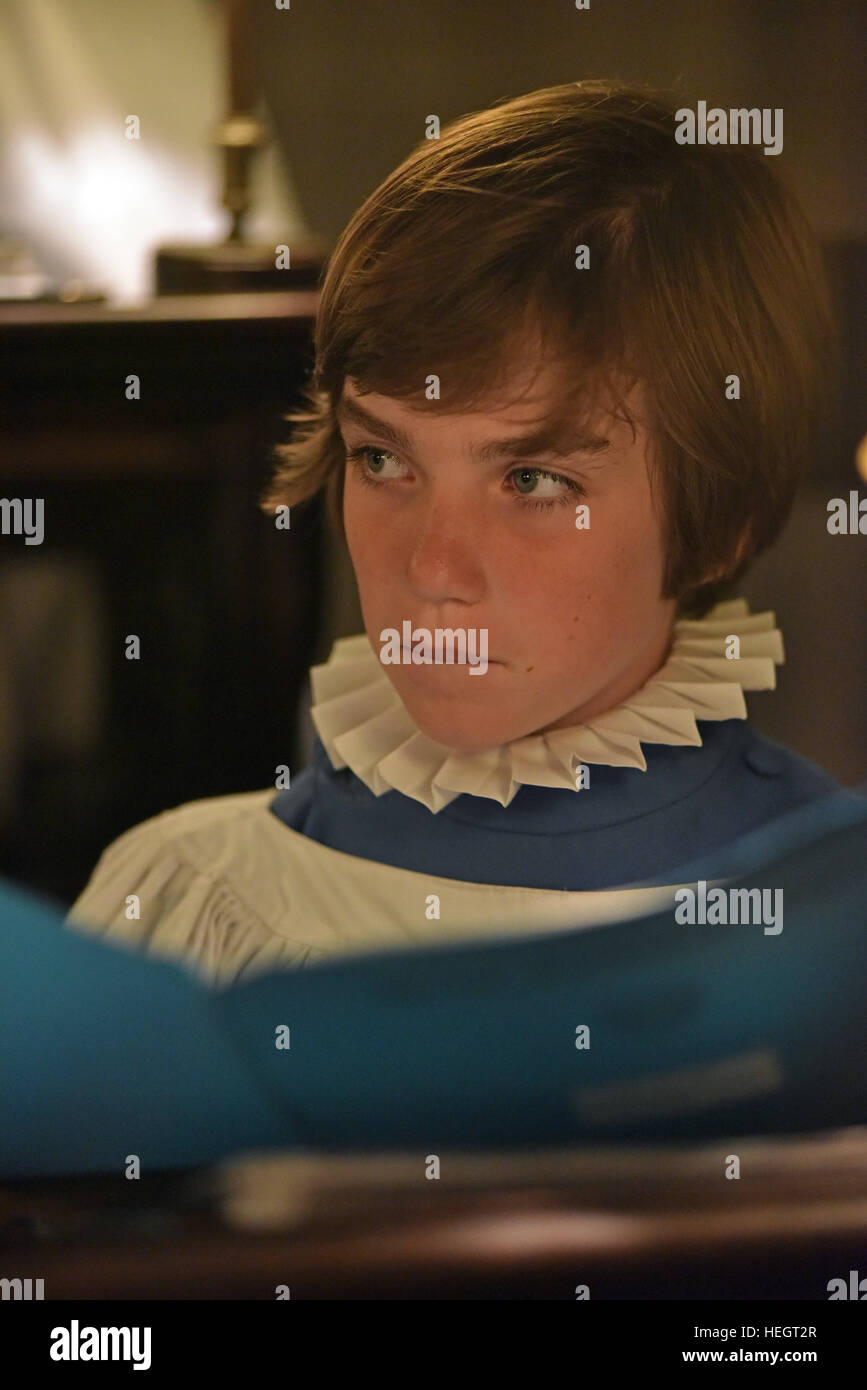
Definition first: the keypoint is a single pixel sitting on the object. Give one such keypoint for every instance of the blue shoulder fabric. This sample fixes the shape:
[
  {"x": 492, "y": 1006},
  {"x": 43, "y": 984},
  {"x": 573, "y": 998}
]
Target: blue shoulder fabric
[
  {"x": 694, "y": 1031},
  {"x": 632, "y": 826}
]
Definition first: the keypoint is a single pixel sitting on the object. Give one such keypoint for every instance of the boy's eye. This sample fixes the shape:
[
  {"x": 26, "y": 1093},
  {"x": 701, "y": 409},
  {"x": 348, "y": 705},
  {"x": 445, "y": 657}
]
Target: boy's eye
[
  {"x": 369, "y": 460},
  {"x": 375, "y": 460},
  {"x": 542, "y": 498},
  {"x": 536, "y": 482}
]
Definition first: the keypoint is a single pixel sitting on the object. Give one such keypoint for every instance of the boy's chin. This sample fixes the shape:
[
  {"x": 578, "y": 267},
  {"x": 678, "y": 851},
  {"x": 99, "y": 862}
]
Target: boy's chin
[
  {"x": 463, "y": 740},
  {"x": 465, "y": 731}
]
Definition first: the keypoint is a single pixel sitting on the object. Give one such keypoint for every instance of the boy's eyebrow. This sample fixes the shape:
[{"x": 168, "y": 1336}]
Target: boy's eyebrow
[{"x": 561, "y": 439}]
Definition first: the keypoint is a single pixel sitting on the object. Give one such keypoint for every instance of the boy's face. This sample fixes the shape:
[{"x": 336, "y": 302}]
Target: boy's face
[{"x": 446, "y": 539}]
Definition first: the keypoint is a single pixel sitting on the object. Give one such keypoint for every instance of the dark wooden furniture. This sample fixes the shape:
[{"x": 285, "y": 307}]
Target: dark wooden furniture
[
  {"x": 159, "y": 497},
  {"x": 652, "y": 1232}
]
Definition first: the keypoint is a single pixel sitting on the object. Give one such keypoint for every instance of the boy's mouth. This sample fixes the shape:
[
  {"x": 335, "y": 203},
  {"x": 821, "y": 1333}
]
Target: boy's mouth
[
  {"x": 423, "y": 665},
  {"x": 406, "y": 653}
]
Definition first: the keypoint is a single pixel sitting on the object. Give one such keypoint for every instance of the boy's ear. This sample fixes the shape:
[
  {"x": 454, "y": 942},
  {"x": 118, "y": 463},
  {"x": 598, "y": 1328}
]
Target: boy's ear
[{"x": 720, "y": 571}]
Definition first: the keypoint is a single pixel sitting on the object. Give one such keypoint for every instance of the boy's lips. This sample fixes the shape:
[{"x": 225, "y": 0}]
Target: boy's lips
[{"x": 407, "y": 654}]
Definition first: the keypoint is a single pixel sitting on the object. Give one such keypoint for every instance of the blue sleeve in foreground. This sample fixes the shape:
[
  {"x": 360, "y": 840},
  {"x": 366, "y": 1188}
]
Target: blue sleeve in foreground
[
  {"x": 105, "y": 1053},
  {"x": 695, "y": 1030}
]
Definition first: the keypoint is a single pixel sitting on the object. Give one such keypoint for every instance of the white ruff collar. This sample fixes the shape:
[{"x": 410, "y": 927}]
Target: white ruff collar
[{"x": 364, "y": 725}]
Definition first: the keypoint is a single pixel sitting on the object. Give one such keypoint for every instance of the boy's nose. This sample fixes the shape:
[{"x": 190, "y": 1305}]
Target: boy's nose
[{"x": 445, "y": 560}]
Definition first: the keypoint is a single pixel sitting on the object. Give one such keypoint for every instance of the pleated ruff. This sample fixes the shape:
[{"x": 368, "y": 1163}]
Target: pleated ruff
[{"x": 364, "y": 725}]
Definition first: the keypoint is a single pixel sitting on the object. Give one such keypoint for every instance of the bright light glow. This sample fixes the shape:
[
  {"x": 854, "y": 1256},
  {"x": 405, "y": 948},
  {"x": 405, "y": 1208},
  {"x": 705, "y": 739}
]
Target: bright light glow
[{"x": 106, "y": 203}]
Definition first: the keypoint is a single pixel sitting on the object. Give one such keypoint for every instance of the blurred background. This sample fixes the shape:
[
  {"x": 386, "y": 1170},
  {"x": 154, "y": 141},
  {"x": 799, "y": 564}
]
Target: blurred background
[{"x": 152, "y": 158}]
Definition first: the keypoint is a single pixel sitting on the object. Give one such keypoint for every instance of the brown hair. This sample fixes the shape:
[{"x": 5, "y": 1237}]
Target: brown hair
[{"x": 701, "y": 266}]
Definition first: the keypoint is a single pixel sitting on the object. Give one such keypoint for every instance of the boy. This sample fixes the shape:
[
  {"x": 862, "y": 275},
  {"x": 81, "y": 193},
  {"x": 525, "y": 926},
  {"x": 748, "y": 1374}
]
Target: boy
[{"x": 567, "y": 370}]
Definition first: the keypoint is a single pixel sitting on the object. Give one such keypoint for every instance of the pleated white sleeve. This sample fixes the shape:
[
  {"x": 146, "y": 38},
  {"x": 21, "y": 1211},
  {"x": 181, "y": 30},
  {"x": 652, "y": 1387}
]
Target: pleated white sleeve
[{"x": 170, "y": 887}]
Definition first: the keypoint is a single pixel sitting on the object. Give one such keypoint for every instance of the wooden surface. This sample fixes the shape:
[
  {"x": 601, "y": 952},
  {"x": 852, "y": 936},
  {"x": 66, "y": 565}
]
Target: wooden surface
[
  {"x": 649, "y": 1225},
  {"x": 173, "y": 309}
]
